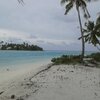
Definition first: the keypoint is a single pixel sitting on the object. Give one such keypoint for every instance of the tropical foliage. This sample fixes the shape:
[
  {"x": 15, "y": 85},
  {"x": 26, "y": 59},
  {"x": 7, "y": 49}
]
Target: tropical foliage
[
  {"x": 24, "y": 46},
  {"x": 78, "y": 3},
  {"x": 67, "y": 59},
  {"x": 94, "y": 58},
  {"x": 92, "y": 32}
]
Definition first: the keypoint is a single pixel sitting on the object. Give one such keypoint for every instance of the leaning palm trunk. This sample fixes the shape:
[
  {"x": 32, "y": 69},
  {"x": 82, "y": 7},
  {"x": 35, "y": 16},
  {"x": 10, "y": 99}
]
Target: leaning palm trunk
[{"x": 82, "y": 35}]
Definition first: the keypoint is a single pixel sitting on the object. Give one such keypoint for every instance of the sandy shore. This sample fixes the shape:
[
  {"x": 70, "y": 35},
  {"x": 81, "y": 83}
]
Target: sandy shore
[{"x": 61, "y": 82}]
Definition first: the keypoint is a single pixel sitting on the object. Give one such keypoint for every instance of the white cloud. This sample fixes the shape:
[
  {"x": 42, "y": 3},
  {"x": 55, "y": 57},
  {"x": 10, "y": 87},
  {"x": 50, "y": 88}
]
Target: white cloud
[{"x": 41, "y": 22}]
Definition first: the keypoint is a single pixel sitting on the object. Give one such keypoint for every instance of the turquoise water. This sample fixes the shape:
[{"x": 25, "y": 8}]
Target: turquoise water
[{"x": 11, "y": 58}]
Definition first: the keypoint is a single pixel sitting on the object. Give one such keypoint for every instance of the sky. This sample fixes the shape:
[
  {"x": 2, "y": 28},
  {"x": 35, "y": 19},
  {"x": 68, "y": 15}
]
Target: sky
[{"x": 43, "y": 23}]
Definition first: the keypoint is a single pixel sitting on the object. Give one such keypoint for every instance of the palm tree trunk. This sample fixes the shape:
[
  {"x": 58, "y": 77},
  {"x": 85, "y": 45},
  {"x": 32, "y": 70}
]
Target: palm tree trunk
[{"x": 83, "y": 43}]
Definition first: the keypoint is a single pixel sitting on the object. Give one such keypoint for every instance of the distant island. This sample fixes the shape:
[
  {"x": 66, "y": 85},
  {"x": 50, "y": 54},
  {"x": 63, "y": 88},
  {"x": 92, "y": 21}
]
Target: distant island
[{"x": 23, "y": 46}]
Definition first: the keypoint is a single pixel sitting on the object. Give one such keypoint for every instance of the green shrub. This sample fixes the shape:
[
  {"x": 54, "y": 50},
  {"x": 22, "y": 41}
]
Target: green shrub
[
  {"x": 74, "y": 59},
  {"x": 95, "y": 56},
  {"x": 67, "y": 59}
]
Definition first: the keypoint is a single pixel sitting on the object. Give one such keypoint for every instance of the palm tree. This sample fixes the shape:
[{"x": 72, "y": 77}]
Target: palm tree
[
  {"x": 79, "y": 4},
  {"x": 92, "y": 32}
]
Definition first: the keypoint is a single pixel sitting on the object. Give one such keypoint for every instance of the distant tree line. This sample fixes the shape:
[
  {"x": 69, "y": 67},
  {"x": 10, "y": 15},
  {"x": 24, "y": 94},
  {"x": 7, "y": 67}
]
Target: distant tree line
[{"x": 23, "y": 46}]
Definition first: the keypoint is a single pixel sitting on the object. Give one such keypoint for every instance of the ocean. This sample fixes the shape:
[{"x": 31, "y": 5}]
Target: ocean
[{"x": 13, "y": 58}]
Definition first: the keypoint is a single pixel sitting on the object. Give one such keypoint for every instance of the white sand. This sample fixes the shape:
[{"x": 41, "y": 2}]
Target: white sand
[
  {"x": 62, "y": 82},
  {"x": 8, "y": 74}
]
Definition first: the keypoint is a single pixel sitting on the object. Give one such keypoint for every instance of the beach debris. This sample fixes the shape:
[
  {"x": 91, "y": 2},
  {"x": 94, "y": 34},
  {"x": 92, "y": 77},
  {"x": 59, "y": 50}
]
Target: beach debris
[
  {"x": 13, "y": 96},
  {"x": 1, "y": 92}
]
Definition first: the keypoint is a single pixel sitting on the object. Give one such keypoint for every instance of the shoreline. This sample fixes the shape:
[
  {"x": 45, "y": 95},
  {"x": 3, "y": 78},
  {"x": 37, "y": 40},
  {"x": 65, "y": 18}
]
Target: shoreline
[
  {"x": 43, "y": 82},
  {"x": 19, "y": 69},
  {"x": 9, "y": 73},
  {"x": 18, "y": 80}
]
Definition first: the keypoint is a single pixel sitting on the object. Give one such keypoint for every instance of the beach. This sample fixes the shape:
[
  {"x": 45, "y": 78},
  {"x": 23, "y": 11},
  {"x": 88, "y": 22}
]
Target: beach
[
  {"x": 52, "y": 82},
  {"x": 50, "y": 50}
]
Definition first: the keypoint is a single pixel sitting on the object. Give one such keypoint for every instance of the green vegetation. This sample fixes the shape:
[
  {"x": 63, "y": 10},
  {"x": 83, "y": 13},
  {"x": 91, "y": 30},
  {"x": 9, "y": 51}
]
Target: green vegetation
[
  {"x": 95, "y": 56},
  {"x": 92, "y": 32},
  {"x": 24, "y": 46},
  {"x": 75, "y": 59},
  {"x": 67, "y": 59}
]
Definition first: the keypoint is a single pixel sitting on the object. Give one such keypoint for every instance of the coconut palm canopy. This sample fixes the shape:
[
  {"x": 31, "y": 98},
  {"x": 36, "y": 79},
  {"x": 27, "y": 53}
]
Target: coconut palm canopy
[
  {"x": 92, "y": 32},
  {"x": 78, "y": 3}
]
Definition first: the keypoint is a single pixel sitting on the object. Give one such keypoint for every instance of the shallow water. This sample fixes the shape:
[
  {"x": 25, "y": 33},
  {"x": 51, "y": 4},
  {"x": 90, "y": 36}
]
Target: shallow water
[{"x": 12, "y": 58}]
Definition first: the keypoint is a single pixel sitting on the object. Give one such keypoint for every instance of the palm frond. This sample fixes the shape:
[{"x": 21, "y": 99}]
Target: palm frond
[
  {"x": 87, "y": 38},
  {"x": 86, "y": 13},
  {"x": 98, "y": 20},
  {"x": 68, "y": 7},
  {"x": 97, "y": 27},
  {"x": 85, "y": 30},
  {"x": 90, "y": 25},
  {"x": 64, "y": 1},
  {"x": 93, "y": 32},
  {"x": 82, "y": 2},
  {"x": 94, "y": 40},
  {"x": 84, "y": 8},
  {"x": 98, "y": 34}
]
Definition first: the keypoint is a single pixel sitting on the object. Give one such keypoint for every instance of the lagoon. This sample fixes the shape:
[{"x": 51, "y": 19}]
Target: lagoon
[{"x": 15, "y": 58}]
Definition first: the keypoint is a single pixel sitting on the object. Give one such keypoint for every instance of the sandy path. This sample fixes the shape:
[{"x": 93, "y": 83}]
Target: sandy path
[{"x": 68, "y": 83}]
